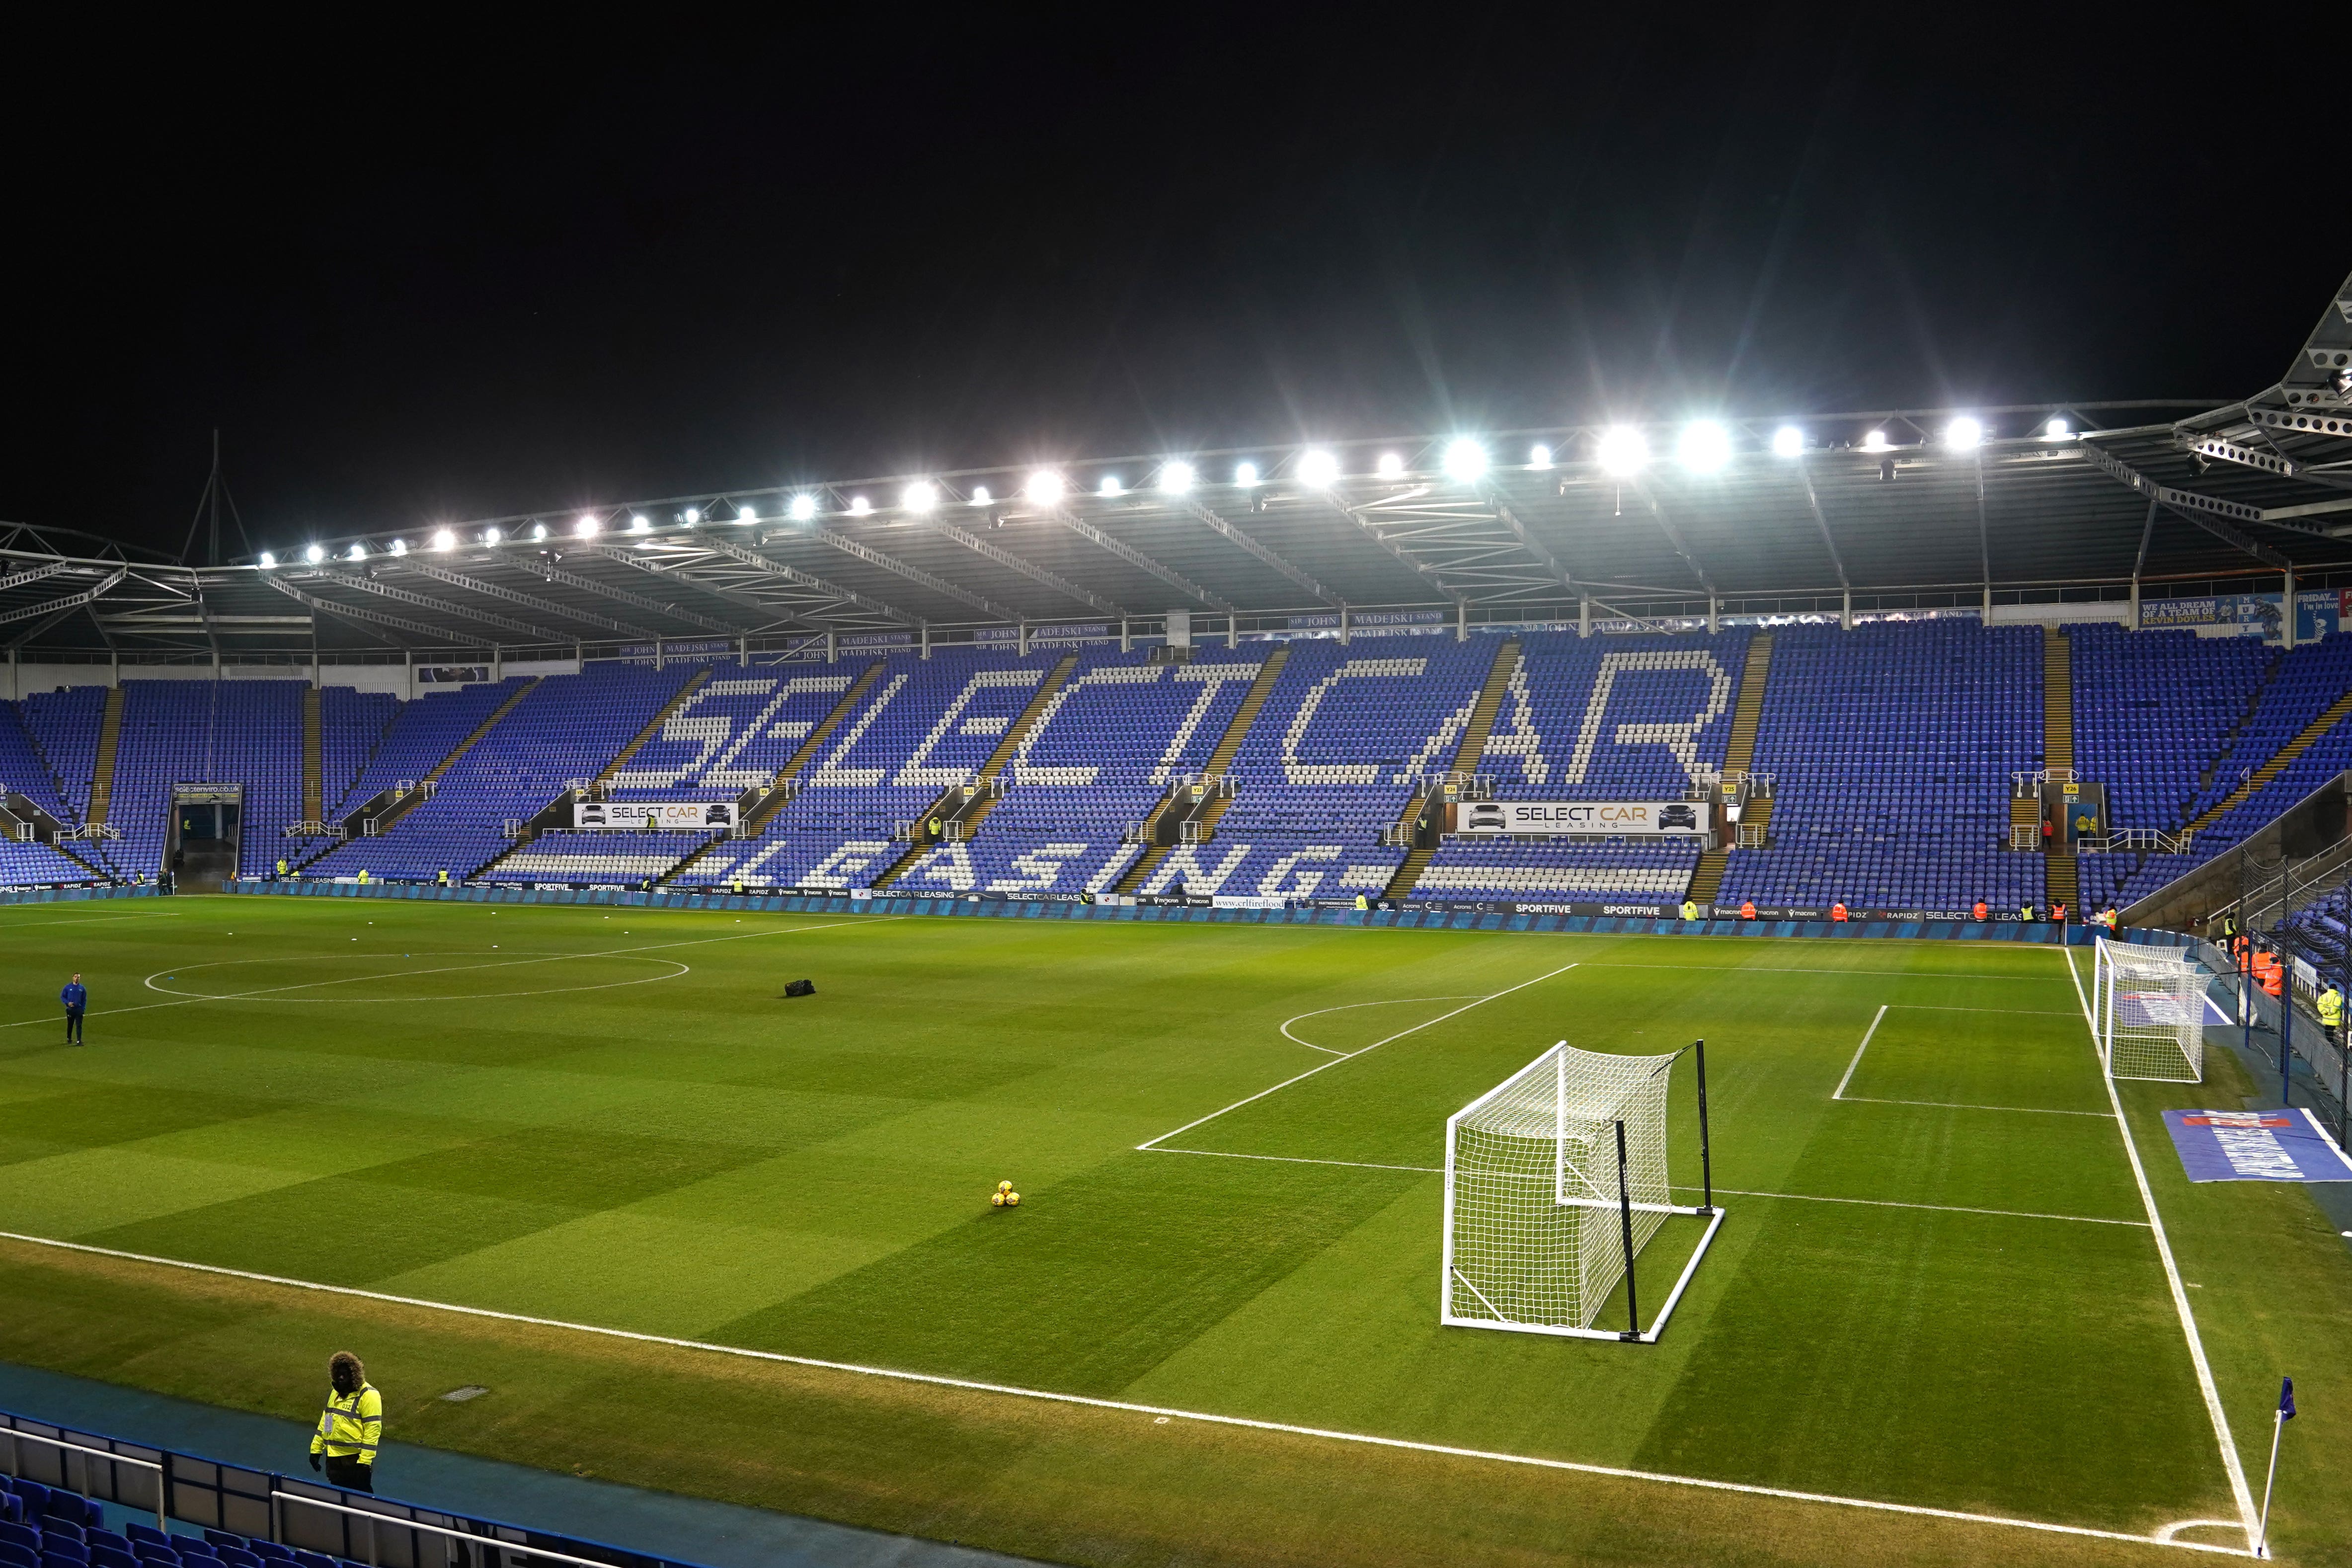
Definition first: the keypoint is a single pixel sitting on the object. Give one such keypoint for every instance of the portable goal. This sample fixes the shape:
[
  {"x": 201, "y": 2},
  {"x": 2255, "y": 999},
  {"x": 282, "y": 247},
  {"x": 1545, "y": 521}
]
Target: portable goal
[
  {"x": 1555, "y": 1179},
  {"x": 2149, "y": 1008}
]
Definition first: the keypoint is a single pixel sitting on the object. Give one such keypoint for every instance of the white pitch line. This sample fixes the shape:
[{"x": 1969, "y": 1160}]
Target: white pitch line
[
  {"x": 1940, "y": 1208},
  {"x": 1735, "y": 1192},
  {"x": 2028, "y": 1012},
  {"x": 1876, "y": 1019},
  {"x": 1964, "y": 1105},
  {"x": 1348, "y": 1006},
  {"x": 86, "y": 921},
  {"x": 543, "y": 958},
  {"x": 1169, "y": 1412},
  {"x": 1744, "y": 969},
  {"x": 1352, "y": 1055},
  {"x": 2238, "y": 1487}
]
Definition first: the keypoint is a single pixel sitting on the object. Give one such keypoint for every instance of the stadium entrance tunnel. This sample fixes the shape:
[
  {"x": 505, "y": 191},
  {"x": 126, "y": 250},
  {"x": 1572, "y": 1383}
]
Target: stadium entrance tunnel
[{"x": 357, "y": 977}]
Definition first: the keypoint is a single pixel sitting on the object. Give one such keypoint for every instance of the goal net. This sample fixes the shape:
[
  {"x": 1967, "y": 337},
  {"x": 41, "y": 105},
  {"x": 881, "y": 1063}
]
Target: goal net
[
  {"x": 2148, "y": 1005},
  {"x": 1534, "y": 1228}
]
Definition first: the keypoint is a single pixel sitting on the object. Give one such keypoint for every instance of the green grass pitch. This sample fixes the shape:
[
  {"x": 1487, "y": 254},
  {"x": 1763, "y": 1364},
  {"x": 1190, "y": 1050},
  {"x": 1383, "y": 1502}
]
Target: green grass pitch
[{"x": 1936, "y": 1286}]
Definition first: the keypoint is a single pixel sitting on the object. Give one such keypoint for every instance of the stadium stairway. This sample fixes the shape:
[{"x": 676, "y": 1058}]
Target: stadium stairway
[
  {"x": 1228, "y": 745},
  {"x": 109, "y": 740},
  {"x": 773, "y": 797},
  {"x": 2060, "y": 876},
  {"x": 1740, "y": 757},
  {"x": 314, "y": 772},
  {"x": 1466, "y": 756},
  {"x": 654, "y": 725},
  {"x": 398, "y": 808},
  {"x": 2335, "y": 714},
  {"x": 1007, "y": 745}
]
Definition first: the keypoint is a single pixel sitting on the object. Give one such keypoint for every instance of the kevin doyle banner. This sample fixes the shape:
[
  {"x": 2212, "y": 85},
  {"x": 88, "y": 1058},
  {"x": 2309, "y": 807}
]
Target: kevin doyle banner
[{"x": 1651, "y": 818}]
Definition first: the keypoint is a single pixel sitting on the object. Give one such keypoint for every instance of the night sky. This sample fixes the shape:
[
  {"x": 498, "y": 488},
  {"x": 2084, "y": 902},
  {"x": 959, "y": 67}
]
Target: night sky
[{"x": 441, "y": 273}]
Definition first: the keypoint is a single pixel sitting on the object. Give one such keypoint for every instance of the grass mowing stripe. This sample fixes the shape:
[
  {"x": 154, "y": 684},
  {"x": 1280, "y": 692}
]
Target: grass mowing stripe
[
  {"x": 1954, "y": 1105},
  {"x": 1880, "y": 1018},
  {"x": 547, "y": 958},
  {"x": 1168, "y": 1412},
  {"x": 1335, "y": 1061},
  {"x": 2238, "y": 1487}
]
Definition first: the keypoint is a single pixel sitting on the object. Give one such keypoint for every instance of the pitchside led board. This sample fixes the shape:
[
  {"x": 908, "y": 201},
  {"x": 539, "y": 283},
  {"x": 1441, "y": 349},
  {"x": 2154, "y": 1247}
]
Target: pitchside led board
[
  {"x": 1641, "y": 818},
  {"x": 677, "y": 815}
]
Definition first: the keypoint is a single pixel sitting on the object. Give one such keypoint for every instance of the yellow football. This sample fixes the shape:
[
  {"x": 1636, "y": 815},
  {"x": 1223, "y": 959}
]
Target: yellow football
[
  {"x": 996, "y": 1199},
  {"x": 1013, "y": 1200},
  {"x": 1004, "y": 1186}
]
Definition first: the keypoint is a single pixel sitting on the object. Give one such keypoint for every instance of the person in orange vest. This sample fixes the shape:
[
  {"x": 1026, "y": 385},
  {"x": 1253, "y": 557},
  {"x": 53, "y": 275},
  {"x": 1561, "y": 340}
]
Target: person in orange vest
[
  {"x": 2058, "y": 912},
  {"x": 1747, "y": 909},
  {"x": 1981, "y": 912},
  {"x": 2274, "y": 977},
  {"x": 1837, "y": 910}
]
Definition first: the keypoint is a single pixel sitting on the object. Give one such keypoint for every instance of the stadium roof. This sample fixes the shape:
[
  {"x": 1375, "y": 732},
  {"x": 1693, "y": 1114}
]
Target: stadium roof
[{"x": 1896, "y": 507}]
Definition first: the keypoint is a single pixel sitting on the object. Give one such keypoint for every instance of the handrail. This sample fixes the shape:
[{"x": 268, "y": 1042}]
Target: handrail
[
  {"x": 277, "y": 1528},
  {"x": 16, "y": 1462},
  {"x": 2020, "y": 782}
]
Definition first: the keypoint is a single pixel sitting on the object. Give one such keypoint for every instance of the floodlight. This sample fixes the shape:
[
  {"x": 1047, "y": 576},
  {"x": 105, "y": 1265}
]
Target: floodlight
[
  {"x": 268, "y": 560},
  {"x": 639, "y": 525},
  {"x": 1389, "y": 467},
  {"x": 1110, "y": 486},
  {"x": 1318, "y": 468},
  {"x": 1875, "y": 442},
  {"x": 1540, "y": 457},
  {"x": 859, "y": 506},
  {"x": 443, "y": 538},
  {"x": 2056, "y": 430},
  {"x": 538, "y": 532},
  {"x": 804, "y": 508},
  {"x": 1465, "y": 460},
  {"x": 745, "y": 516},
  {"x": 691, "y": 516},
  {"x": 585, "y": 527},
  {"x": 399, "y": 547},
  {"x": 980, "y": 495},
  {"x": 1045, "y": 486},
  {"x": 1621, "y": 449},
  {"x": 491, "y": 536},
  {"x": 1705, "y": 446},
  {"x": 1245, "y": 474},
  {"x": 356, "y": 553},
  {"x": 1788, "y": 441},
  {"x": 920, "y": 496},
  {"x": 1963, "y": 432},
  {"x": 315, "y": 554},
  {"x": 1175, "y": 477}
]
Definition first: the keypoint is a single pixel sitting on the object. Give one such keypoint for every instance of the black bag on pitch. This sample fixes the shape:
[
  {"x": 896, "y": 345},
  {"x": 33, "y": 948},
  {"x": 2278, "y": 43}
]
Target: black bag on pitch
[{"x": 801, "y": 988}]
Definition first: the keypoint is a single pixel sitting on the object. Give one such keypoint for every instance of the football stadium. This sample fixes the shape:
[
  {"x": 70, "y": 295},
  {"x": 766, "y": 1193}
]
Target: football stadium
[{"x": 1738, "y": 992}]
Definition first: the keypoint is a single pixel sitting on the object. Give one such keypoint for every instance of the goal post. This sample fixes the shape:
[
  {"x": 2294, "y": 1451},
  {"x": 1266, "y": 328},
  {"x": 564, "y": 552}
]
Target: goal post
[
  {"x": 2147, "y": 1008},
  {"x": 1556, "y": 1179}
]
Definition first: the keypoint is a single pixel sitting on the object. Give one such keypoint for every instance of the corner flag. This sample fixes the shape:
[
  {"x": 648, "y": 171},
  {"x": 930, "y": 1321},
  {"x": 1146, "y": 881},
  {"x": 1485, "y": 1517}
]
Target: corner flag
[
  {"x": 2278, "y": 1425},
  {"x": 2286, "y": 1399}
]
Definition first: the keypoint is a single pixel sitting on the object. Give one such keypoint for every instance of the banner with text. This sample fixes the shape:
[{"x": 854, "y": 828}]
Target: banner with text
[
  {"x": 678, "y": 816},
  {"x": 1645, "y": 818}
]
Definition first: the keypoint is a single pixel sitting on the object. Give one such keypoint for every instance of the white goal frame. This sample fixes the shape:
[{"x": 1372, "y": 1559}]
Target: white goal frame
[
  {"x": 2132, "y": 988},
  {"x": 1536, "y": 1211}
]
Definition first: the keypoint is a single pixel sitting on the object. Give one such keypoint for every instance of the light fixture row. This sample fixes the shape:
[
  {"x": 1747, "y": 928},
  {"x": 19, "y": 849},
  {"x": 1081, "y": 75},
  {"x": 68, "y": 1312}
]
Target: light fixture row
[{"x": 1704, "y": 447}]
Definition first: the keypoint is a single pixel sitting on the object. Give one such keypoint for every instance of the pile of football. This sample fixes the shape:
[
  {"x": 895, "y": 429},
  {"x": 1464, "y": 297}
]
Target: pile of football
[{"x": 1004, "y": 1197}]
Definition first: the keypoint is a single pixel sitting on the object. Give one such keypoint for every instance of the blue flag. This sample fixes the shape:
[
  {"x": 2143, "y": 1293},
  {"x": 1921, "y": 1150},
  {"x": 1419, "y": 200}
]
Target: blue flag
[{"x": 2286, "y": 1399}]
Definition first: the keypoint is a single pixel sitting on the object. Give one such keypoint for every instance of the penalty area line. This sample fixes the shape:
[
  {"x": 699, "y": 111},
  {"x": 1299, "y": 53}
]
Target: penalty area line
[
  {"x": 1172, "y": 1413},
  {"x": 1352, "y": 1055}
]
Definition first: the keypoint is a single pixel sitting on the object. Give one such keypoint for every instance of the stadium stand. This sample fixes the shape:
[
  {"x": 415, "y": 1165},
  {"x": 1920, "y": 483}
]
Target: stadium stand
[{"x": 1892, "y": 747}]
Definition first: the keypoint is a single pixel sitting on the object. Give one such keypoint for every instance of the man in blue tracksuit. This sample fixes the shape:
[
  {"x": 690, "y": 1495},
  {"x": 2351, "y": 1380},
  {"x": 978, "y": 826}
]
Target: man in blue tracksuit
[{"x": 75, "y": 998}]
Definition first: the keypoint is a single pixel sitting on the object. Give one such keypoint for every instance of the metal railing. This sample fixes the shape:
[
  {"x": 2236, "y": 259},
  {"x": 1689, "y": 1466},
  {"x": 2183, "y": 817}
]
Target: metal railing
[
  {"x": 114, "y": 1489},
  {"x": 1751, "y": 836},
  {"x": 2026, "y": 836},
  {"x": 489, "y": 1549},
  {"x": 1465, "y": 786},
  {"x": 1213, "y": 787},
  {"x": 2023, "y": 785},
  {"x": 2155, "y": 840}
]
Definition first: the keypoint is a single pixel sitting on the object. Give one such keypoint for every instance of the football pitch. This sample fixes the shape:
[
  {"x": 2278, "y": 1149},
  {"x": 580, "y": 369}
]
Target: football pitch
[{"x": 1949, "y": 1277}]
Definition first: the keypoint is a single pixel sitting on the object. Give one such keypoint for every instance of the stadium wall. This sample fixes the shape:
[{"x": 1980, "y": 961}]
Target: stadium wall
[{"x": 1199, "y": 912}]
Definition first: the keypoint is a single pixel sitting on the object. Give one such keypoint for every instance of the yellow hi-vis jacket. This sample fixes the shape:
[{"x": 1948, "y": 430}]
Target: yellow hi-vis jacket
[
  {"x": 1690, "y": 911},
  {"x": 2331, "y": 1006},
  {"x": 351, "y": 1424}
]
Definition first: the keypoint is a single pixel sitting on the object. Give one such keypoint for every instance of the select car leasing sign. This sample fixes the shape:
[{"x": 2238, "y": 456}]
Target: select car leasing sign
[
  {"x": 1650, "y": 818},
  {"x": 689, "y": 816},
  {"x": 2257, "y": 1146}
]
